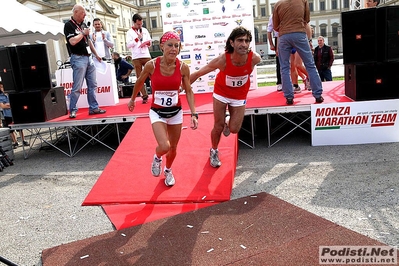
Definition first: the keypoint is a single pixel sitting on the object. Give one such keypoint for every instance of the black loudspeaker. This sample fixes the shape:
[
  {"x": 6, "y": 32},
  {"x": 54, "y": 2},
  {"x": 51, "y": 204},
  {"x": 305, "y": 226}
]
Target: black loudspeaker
[
  {"x": 9, "y": 69},
  {"x": 371, "y": 35},
  {"x": 388, "y": 23},
  {"x": 34, "y": 67},
  {"x": 25, "y": 67},
  {"x": 38, "y": 106},
  {"x": 373, "y": 81},
  {"x": 126, "y": 91},
  {"x": 358, "y": 36}
]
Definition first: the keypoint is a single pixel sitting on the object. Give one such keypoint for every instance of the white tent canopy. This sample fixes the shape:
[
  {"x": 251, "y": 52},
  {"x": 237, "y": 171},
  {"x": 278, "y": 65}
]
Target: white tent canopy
[{"x": 19, "y": 24}]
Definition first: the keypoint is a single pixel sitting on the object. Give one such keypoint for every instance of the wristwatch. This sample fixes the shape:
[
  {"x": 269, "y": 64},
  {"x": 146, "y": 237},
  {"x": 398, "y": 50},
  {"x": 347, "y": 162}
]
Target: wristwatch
[{"x": 195, "y": 114}]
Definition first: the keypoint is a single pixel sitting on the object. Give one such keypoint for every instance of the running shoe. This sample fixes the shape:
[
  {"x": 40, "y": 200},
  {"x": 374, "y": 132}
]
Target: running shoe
[
  {"x": 156, "y": 166},
  {"x": 279, "y": 87},
  {"x": 307, "y": 84},
  {"x": 297, "y": 89},
  {"x": 169, "y": 178},
  {"x": 320, "y": 99},
  {"x": 214, "y": 158}
]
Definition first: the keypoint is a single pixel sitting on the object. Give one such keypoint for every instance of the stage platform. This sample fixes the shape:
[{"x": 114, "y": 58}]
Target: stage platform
[
  {"x": 255, "y": 230},
  {"x": 76, "y": 133},
  {"x": 195, "y": 222},
  {"x": 126, "y": 182},
  {"x": 262, "y": 101}
]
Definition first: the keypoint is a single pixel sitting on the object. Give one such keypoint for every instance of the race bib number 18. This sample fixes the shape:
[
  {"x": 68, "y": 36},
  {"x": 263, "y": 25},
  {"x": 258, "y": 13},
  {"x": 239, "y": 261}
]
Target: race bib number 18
[
  {"x": 166, "y": 98},
  {"x": 236, "y": 81}
]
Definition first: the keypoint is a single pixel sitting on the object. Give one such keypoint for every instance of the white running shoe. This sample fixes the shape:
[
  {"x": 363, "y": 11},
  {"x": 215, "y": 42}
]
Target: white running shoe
[
  {"x": 156, "y": 166},
  {"x": 169, "y": 178},
  {"x": 214, "y": 158},
  {"x": 297, "y": 89},
  {"x": 279, "y": 87},
  {"x": 226, "y": 130}
]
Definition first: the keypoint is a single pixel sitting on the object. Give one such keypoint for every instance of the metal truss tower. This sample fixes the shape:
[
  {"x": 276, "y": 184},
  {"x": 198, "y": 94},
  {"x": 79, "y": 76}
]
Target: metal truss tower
[{"x": 90, "y": 6}]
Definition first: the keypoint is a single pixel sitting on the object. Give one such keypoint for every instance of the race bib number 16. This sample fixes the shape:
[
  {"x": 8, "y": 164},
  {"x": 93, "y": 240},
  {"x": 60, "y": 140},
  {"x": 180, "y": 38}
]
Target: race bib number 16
[{"x": 236, "y": 81}]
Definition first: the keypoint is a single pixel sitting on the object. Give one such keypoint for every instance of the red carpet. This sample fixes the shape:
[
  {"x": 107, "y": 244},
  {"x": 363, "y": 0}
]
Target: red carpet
[
  {"x": 127, "y": 177},
  {"x": 127, "y": 215},
  {"x": 126, "y": 181},
  {"x": 333, "y": 92},
  {"x": 262, "y": 97}
]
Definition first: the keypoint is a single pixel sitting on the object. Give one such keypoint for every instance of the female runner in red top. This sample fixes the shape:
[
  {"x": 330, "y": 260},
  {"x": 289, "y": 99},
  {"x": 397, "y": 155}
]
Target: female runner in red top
[{"x": 167, "y": 75}]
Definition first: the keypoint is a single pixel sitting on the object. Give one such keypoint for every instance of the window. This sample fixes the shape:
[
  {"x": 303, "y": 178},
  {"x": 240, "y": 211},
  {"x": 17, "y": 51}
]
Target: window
[
  {"x": 311, "y": 7},
  {"x": 335, "y": 29},
  {"x": 154, "y": 23},
  {"x": 323, "y": 31},
  {"x": 256, "y": 35},
  {"x": 346, "y": 3},
  {"x": 144, "y": 23},
  {"x": 263, "y": 11},
  {"x": 334, "y": 4},
  {"x": 264, "y": 38},
  {"x": 322, "y": 6},
  {"x": 155, "y": 46}
]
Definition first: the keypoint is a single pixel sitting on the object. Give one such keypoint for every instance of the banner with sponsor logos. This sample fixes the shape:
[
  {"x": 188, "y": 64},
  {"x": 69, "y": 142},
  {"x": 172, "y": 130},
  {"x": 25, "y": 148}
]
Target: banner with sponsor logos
[
  {"x": 355, "y": 122},
  {"x": 204, "y": 26}
]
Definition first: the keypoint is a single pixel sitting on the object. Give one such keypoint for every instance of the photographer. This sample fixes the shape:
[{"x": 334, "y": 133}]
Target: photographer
[{"x": 122, "y": 67}]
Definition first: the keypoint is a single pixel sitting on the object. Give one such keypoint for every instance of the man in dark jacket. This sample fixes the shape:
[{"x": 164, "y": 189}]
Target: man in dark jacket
[{"x": 324, "y": 58}]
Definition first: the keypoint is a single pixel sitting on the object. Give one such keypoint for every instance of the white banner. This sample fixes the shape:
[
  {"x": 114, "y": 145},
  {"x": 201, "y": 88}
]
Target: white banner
[
  {"x": 355, "y": 122},
  {"x": 204, "y": 26},
  {"x": 107, "y": 89}
]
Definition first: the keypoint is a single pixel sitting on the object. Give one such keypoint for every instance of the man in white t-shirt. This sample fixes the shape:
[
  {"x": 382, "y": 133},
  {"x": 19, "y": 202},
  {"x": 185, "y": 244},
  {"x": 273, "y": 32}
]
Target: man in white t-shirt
[
  {"x": 101, "y": 39},
  {"x": 138, "y": 40}
]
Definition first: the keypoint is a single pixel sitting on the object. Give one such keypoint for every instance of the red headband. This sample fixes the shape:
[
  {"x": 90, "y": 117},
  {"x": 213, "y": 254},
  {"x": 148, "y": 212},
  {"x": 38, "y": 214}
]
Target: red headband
[{"x": 169, "y": 36}]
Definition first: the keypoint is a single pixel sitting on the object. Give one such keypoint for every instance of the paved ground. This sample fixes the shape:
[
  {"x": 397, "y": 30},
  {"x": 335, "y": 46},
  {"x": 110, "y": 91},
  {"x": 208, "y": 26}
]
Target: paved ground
[{"x": 354, "y": 186}]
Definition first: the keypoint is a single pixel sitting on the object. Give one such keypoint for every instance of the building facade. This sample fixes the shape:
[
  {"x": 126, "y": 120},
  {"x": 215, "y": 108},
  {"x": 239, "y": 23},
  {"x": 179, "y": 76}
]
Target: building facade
[{"x": 117, "y": 17}]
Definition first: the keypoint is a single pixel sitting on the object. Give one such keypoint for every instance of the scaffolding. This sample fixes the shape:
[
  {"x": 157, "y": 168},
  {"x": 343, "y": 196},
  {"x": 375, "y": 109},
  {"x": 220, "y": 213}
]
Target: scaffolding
[{"x": 90, "y": 7}]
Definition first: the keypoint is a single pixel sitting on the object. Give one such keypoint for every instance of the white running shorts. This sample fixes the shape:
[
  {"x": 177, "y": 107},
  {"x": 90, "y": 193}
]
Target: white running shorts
[
  {"x": 229, "y": 101},
  {"x": 174, "y": 120}
]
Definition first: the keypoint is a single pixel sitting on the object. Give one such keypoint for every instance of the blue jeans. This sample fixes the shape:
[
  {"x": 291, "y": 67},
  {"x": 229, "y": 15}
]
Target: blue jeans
[
  {"x": 325, "y": 75},
  {"x": 299, "y": 41},
  {"x": 83, "y": 68}
]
